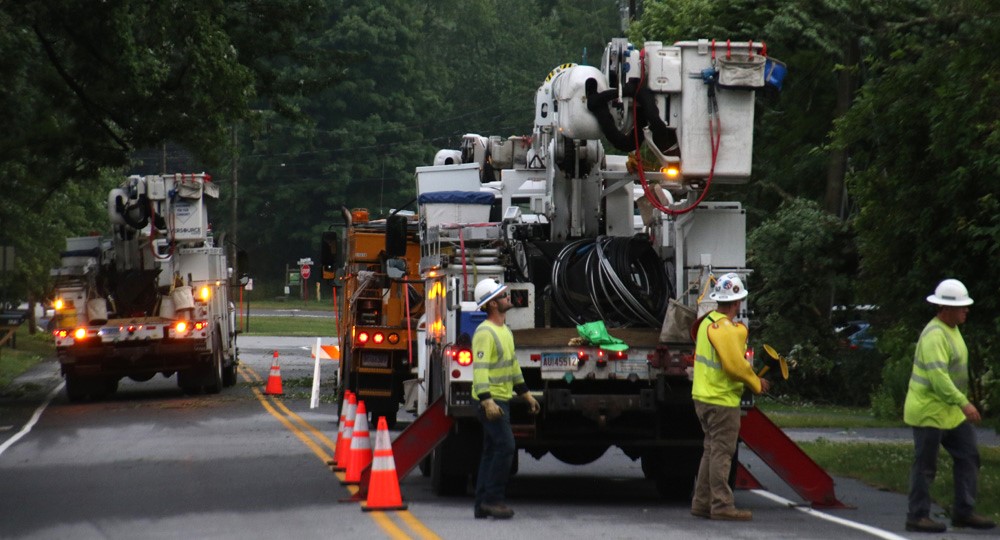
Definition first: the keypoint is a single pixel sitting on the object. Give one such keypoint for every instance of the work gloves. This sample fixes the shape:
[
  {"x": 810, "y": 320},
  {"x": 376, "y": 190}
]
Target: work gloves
[
  {"x": 493, "y": 411},
  {"x": 533, "y": 405}
]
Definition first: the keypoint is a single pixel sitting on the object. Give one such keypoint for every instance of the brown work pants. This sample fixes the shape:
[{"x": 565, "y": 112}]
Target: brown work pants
[{"x": 722, "y": 429}]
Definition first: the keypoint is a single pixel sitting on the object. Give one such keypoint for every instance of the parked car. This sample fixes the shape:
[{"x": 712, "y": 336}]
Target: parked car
[{"x": 856, "y": 335}]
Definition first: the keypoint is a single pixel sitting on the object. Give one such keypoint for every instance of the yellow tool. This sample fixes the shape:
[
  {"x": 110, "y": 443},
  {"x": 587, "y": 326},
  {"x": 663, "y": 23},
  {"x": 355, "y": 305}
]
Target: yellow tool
[{"x": 774, "y": 360}]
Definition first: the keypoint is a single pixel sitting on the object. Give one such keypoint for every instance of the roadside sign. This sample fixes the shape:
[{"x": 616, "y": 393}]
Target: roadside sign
[{"x": 304, "y": 271}]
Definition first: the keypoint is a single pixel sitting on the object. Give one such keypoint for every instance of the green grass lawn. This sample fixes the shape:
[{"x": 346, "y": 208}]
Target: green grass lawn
[
  {"x": 291, "y": 326},
  {"x": 887, "y": 466},
  {"x": 30, "y": 350},
  {"x": 799, "y": 415}
]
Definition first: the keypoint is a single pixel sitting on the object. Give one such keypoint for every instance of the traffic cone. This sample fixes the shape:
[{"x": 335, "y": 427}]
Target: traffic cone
[
  {"x": 343, "y": 451},
  {"x": 383, "y": 484},
  {"x": 338, "y": 448},
  {"x": 273, "y": 387},
  {"x": 361, "y": 447}
]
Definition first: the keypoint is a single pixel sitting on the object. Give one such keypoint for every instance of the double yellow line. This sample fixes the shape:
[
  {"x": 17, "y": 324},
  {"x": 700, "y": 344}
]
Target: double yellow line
[{"x": 324, "y": 448}]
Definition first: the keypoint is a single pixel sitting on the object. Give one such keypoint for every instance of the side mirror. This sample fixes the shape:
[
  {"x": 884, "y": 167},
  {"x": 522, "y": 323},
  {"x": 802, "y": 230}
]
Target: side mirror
[
  {"x": 395, "y": 236},
  {"x": 330, "y": 257}
]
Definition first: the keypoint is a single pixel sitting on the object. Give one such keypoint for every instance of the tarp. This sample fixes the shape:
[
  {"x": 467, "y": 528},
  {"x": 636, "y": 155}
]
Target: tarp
[{"x": 456, "y": 197}]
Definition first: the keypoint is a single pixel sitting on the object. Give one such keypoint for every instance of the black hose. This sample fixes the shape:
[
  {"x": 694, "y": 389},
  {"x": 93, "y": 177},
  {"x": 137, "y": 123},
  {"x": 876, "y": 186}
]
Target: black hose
[{"x": 618, "y": 280}]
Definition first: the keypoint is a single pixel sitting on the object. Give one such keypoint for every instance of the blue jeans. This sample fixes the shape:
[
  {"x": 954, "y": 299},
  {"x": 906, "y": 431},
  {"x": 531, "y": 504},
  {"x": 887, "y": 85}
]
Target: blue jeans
[
  {"x": 960, "y": 442},
  {"x": 497, "y": 456}
]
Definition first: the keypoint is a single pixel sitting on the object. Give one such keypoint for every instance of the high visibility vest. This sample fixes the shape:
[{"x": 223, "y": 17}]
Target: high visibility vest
[
  {"x": 939, "y": 379},
  {"x": 711, "y": 382},
  {"x": 494, "y": 365}
]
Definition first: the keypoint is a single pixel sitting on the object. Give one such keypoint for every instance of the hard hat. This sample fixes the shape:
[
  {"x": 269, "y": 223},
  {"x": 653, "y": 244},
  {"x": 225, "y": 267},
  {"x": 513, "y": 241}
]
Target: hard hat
[
  {"x": 950, "y": 292},
  {"x": 728, "y": 288},
  {"x": 487, "y": 290}
]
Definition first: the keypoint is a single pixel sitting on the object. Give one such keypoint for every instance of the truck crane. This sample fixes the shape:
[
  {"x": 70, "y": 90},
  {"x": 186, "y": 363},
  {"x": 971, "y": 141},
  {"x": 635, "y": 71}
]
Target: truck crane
[
  {"x": 605, "y": 256},
  {"x": 150, "y": 297}
]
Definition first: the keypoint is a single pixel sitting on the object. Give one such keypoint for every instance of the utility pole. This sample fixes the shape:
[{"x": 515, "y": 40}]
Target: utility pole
[{"x": 232, "y": 227}]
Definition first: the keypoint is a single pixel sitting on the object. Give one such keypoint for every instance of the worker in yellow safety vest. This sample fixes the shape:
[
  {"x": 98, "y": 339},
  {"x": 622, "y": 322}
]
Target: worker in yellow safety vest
[
  {"x": 721, "y": 371},
  {"x": 496, "y": 378},
  {"x": 941, "y": 414}
]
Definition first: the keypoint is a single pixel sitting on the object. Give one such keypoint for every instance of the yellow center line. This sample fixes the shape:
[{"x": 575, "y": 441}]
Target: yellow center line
[{"x": 382, "y": 519}]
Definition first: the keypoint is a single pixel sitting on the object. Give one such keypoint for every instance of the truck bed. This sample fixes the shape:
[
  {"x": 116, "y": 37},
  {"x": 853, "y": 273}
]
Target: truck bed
[{"x": 646, "y": 338}]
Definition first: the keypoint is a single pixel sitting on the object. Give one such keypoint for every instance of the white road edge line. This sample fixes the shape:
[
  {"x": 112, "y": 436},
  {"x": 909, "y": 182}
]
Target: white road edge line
[
  {"x": 874, "y": 531},
  {"x": 34, "y": 418}
]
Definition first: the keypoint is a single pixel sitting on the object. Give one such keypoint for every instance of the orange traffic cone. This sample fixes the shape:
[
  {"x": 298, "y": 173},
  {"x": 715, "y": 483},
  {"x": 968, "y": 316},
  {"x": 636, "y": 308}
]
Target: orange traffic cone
[
  {"x": 344, "y": 443},
  {"x": 273, "y": 387},
  {"x": 383, "y": 485},
  {"x": 340, "y": 452},
  {"x": 361, "y": 447}
]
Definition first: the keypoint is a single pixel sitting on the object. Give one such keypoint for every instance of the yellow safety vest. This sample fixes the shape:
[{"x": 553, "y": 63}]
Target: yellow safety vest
[
  {"x": 494, "y": 366},
  {"x": 720, "y": 366},
  {"x": 939, "y": 379}
]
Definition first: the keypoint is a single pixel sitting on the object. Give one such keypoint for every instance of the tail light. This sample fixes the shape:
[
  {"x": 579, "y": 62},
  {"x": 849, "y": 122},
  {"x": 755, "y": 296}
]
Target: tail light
[
  {"x": 363, "y": 337},
  {"x": 462, "y": 357},
  {"x": 378, "y": 338},
  {"x": 393, "y": 338},
  {"x": 80, "y": 333},
  {"x": 181, "y": 327}
]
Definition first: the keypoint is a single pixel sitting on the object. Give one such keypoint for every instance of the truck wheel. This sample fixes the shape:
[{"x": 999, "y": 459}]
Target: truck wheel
[
  {"x": 213, "y": 377},
  {"x": 388, "y": 412},
  {"x": 229, "y": 373},
  {"x": 578, "y": 455},
  {"x": 444, "y": 482},
  {"x": 425, "y": 466},
  {"x": 674, "y": 471},
  {"x": 189, "y": 381},
  {"x": 76, "y": 388}
]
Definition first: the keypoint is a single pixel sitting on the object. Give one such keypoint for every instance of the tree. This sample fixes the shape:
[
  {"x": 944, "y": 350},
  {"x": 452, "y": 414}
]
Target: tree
[{"x": 924, "y": 158}]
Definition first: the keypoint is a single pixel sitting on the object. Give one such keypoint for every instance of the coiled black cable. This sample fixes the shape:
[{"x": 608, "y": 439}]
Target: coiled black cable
[{"x": 618, "y": 280}]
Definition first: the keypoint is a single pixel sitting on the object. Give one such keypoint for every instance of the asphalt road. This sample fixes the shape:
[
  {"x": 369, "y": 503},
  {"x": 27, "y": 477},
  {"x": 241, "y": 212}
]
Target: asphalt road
[{"x": 153, "y": 463}]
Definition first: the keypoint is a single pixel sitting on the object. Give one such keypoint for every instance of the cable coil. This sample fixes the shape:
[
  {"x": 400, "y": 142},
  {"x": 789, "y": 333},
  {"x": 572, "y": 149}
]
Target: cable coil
[{"x": 618, "y": 280}]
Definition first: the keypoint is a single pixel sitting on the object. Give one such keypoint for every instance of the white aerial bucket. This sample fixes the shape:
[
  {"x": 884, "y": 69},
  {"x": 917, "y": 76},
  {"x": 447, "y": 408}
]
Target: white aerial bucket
[
  {"x": 167, "y": 307},
  {"x": 183, "y": 298},
  {"x": 97, "y": 311}
]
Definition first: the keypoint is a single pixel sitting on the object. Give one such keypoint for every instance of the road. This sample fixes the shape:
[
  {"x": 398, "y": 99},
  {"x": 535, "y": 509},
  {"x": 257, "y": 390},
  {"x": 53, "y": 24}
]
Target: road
[{"x": 153, "y": 463}]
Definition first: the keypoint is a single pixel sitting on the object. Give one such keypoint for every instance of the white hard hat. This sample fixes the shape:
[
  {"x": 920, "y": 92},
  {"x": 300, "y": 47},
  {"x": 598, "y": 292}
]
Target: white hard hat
[
  {"x": 487, "y": 290},
  {"x": 728, "y": 288},
  {"x": 950, "y": 292}
]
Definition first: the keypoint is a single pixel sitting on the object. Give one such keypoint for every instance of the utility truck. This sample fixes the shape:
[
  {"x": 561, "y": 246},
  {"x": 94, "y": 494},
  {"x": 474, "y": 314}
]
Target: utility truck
[
  {"x": 383, "y": 299},
  {"x": 606, "y": 257},
  {"x": 152, "y": 296}
]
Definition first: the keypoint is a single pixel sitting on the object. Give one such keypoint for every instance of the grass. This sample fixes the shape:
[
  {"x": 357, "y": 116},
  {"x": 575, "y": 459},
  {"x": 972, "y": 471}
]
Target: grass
[
  {"x": 291, "y": 326},
  {"x": 325, "y": 304},
  {"x": 30, "y": 350},
  {"x": 808, "y": 415},
  {"x": 887, "y": 466}
]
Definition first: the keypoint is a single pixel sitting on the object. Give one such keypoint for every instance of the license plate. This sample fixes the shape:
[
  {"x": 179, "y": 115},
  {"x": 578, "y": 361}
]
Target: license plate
[
  {"x": 625, "y": 367},
  {"x": 374, "y": 359},
  {"x": 109, "y": 331},
  {"x": 559, "y": 362}
]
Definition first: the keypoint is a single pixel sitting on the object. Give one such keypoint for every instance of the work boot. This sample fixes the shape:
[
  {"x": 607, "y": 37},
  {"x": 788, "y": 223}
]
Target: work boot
[
  {"x": 733, "y": 514},
  {"x": 701, "y": 512},
  {"x": 973, "y": 521},
  {"x": 497, "y": 510},
  {"x": 925, "y": 524}
]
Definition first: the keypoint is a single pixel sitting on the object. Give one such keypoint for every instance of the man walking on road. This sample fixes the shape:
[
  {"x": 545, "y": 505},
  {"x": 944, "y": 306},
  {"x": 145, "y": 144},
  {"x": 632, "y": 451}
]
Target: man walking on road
[
  {"x": 721, "y": 371},
  {"x": 941, "y": 414},
  {"x": 496, "y": 377}
]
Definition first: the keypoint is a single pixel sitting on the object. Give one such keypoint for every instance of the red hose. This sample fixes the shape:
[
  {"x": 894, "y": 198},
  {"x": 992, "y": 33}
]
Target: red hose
[{"x": 715, "y": 139}]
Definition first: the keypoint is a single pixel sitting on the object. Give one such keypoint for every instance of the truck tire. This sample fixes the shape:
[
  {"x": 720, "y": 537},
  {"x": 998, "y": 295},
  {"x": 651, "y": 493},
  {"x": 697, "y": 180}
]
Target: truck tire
[
  {"x": 389, "y": 412},
  {"x": 229, "y": 373},
  {"x": 76, "y": 388},
  {"x": 673, "y": 470},
  {"x": 213, "y": 376},
  {"x": 444, "y": 481},
  {"x": 578, "y": 455},
  {"x": 190, "y": 381}
]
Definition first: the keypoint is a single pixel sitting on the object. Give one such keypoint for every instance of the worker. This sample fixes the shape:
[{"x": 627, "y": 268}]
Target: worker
[
  {"x": 941, "y": 414},
  {"x": 721, "y": 371},
  {"x": 496, "y": 378}
]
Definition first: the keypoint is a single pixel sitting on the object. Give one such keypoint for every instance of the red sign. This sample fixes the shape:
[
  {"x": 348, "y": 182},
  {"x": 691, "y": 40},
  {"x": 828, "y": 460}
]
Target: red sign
[{"x": 304, "y": 271}]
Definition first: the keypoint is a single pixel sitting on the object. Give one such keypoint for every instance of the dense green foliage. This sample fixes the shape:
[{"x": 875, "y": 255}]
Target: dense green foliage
[{"x": 874, "y": 169}]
